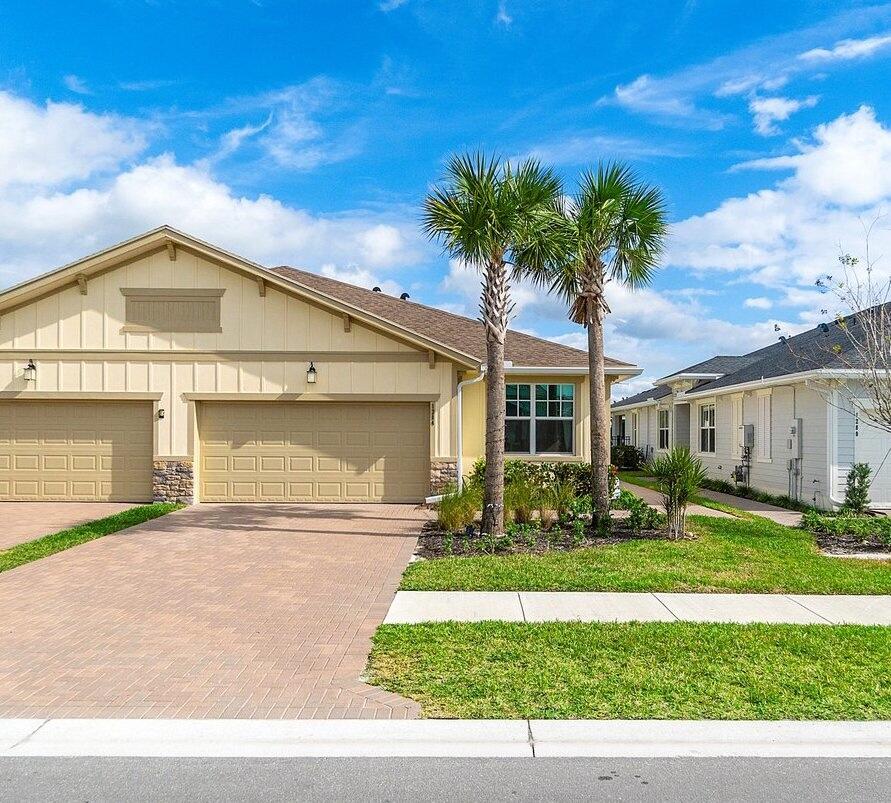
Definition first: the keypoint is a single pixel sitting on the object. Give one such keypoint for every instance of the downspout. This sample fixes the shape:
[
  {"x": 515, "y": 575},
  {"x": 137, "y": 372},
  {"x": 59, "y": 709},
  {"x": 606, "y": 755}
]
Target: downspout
[{"x": 460, "y": 431}]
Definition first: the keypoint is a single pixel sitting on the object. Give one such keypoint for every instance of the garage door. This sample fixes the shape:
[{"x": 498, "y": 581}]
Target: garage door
[
  {"x": 313, "y": 452},
  {"x": 75, "y": 451}
]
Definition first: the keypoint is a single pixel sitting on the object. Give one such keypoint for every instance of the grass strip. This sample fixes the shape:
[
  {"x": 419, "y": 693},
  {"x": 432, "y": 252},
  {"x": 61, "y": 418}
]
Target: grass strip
[
  {"x": 651, "y": 670},
  {"x": 74, "y": 536}
]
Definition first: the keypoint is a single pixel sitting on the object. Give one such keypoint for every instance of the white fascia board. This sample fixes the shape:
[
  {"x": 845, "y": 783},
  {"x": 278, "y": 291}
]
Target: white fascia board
[
  {"x": 784, "y": 379},
  {"x": 622, "y": 407}
]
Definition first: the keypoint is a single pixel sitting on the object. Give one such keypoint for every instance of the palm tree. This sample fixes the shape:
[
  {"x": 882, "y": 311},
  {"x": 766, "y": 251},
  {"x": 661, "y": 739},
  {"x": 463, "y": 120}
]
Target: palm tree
[
  {"x": 499, "y": 219},
  {"x": 615, "y": 230}
]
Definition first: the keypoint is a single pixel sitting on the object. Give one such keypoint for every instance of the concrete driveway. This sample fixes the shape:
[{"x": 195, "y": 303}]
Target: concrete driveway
[
  {"x": 247, "y": 611},
  {"x": 25, "y": 521}
]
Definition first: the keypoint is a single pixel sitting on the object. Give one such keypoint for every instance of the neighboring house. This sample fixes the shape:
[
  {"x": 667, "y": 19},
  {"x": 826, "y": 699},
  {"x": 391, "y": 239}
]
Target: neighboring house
[
  {"x": 772, "y": 419},
  {"x": 167, "y": 368}
]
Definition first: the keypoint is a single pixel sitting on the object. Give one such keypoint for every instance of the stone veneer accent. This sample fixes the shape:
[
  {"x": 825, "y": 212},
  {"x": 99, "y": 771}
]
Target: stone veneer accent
[
  {"x": 172, "y": 481},
  {"x": 443, "y": 472}
]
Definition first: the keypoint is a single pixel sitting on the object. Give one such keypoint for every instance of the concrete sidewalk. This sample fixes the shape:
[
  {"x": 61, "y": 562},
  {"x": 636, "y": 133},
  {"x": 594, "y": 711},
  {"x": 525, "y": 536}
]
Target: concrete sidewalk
[
  {"x": 654, "y": 499},
  {"x": 411, "y": 607},
  {"x": 517, "y": 738}
]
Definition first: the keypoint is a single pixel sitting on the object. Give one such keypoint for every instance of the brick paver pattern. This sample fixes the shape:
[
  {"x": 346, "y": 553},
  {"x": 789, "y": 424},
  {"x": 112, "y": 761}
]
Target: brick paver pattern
[
  {"x": 229, "y": 611},
  {"x": 25, "y": 521}
]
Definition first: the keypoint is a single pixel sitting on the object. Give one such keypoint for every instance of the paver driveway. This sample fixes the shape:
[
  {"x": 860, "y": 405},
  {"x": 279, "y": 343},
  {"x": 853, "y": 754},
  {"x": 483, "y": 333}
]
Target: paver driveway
[
  {"x": 25, "y": 521},
  {"x": 214, "y": 611}
]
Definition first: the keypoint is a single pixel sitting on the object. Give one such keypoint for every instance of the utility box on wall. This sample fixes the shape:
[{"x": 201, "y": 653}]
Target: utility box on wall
[
  {"x": 748, "y": 436},
  {"x": 793, "y": 438}
]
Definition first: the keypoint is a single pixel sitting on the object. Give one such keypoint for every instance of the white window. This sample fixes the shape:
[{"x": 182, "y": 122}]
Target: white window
[
  {"x": 544, "y": 424},
  {"x": 664, "y": 424},
  {"x": 762, "y": 431},
  {"x": 736, "y": 426},
  {"x": 634, "y": 428},
  {"x": 707, "y": 428}
]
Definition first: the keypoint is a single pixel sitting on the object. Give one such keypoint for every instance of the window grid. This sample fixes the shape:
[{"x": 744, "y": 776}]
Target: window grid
[
  {"x": 552, "y": 402},
  {"x": 707, "y": 428},
  {"x": 664, "y": 425}
]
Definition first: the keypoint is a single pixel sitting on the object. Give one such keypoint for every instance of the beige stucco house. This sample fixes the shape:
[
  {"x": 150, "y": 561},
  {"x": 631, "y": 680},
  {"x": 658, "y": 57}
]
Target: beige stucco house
[{"x": 167, "y": 368}]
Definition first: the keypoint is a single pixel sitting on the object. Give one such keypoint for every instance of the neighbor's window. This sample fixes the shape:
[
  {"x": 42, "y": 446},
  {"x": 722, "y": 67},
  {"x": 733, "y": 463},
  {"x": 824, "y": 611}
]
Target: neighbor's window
[
  {"x": 707, "y": 428},
  {"x": 663, "y": 429},
  {"x": 762, "y": 431},
  {"x": 540, "y": 419}
]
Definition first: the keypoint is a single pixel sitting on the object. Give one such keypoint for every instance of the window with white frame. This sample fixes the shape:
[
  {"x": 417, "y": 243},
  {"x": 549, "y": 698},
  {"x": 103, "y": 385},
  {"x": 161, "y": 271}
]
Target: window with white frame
[
  {"x": 762, "y": 431},
  {"x": 707, "y": 428},
  {"x": 634, "y": 427},
  {"x": 540, "y": 418},
  {"x": 664, "y": 429}
]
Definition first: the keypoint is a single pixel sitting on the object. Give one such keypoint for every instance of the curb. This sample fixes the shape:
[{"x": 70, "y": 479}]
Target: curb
[{"x": 447, "y": 738}]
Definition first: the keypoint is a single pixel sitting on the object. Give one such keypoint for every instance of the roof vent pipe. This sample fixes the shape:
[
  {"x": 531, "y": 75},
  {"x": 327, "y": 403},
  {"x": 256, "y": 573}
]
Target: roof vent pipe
[
  {"x": 375, "y": 289},
  {"x": 405, "y": 296},
  {"x": 824, "y": 328}
]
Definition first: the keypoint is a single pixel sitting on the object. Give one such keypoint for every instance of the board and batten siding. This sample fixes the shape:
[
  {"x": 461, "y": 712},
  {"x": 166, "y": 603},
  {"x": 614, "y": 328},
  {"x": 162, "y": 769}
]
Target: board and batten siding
[
  {"x": 772, "y": 474},
  {"x": 265, "y": 345}
]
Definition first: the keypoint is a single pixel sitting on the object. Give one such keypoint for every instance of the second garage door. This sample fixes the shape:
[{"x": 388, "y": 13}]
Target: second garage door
[
  {"x": 313, "y": 452},
  {"x": 75, "y": 451}
]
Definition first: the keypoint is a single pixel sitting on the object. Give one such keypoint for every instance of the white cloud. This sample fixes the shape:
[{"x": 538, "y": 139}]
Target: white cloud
[
  {"x": 788, "y": 234},
  {"x": 759, "y": 302},
  {"x": 76, "y": 84},
  {"x": 847, "y": 49},
  {"x": 502, "y": 17},
  {"x": 362, "y": 277},
  {"x": 768, "y": 111},
  {"x": 391, "y": 5},
  {"x": 61, "y": 142},
  {"x": 665, "y": 99},
  {"x": 583, "y": 148},
  {"x": 147, "y": 85}
]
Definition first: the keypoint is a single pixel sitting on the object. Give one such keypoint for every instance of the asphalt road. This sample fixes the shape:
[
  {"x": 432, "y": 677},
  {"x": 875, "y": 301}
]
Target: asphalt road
[{"x": 421, "y": 779}]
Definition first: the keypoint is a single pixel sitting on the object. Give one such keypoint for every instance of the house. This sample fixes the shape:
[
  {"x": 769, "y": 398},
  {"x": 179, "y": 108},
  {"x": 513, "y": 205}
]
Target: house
[
  {"x": 167, "y": 368},
  {"x": 781, "y": 419}
]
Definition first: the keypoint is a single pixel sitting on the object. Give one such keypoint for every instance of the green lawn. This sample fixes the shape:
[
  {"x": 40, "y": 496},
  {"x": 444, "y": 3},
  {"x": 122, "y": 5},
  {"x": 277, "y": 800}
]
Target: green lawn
[
  {"x": 642, "y": 479},
  {"x": 65, "y": 539},
  {"x": 746, "y": 554},
  {"x": 655, "y": 670}
]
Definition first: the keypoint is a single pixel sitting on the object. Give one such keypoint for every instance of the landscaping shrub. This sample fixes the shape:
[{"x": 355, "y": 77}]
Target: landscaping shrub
[
  {"x": 541, "y": 474},
  {"x": 625, "y": 500},
  {"x": 457, "y": 509},
  {"x": 857, "y": 488},
  {"x": 626, "y": 457},
  {"x": 559, "y": 498},
  {"x": 521, "y": 499},
  {"x": 877, "y": 528},
  {"x": 643, "y": 517},
  {"x": 679, "y": 475}
]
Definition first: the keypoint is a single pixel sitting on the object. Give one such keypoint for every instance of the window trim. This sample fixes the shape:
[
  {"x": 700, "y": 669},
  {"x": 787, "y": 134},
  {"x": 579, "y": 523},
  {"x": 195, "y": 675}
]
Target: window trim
[
  {"x": 713, "y": 427},
  {"x": 660, "y": 429},
  {"x": 764, "y": 428},
  {"x": 531, "y": 418}
]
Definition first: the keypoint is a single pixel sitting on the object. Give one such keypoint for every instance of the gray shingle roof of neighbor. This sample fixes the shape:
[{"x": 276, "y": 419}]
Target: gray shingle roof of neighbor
[
  {"x": 827, "y": 345},
  {"x": 658, "y": 392},
  {"x": 722, "y": 364},
  {"x": 455, "y": 331}
]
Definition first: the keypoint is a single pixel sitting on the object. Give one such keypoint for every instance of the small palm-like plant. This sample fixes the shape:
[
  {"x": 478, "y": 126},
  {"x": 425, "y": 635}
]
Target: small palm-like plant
[{"x": 679, "y": 475}]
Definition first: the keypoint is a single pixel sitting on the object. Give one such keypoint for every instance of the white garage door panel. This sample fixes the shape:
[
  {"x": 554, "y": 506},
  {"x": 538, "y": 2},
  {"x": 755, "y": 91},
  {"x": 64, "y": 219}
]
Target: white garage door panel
[
  {"x": 313, "y": 452},
  {"x": 75, "y": 451}
]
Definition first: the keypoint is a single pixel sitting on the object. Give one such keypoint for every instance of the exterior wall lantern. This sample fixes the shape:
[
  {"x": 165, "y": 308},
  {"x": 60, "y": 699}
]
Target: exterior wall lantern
[
  {"x": 30, "y": 371},
  {"x": 311, "y": 374}
]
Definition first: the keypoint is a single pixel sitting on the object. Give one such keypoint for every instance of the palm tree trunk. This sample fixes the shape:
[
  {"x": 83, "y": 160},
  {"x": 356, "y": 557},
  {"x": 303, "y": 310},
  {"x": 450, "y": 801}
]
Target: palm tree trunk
[
  {"x": 494, "y": 309},
  {"x": 599, "y": 417}
]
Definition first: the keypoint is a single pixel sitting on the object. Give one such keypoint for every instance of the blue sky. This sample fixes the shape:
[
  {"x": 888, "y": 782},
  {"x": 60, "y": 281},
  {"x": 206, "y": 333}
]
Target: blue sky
[{"x": 308, "y": 132}]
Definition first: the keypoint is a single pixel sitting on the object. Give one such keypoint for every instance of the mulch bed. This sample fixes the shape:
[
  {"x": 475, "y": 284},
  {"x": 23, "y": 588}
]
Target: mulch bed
[
  {"x": 849, "y": 544},
  {"x": 434, "y": 543}
]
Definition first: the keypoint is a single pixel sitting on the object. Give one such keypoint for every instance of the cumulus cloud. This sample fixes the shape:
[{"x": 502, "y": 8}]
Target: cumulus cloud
[
  {"x": 767, "y": 112},
  {"x": 759, "y": 302},
  {"x": 788, "y": 234},
  {"x": 847, "y": 49},
  {"x": 76, "y": 84},
  {"x": 60, "y": 142}
]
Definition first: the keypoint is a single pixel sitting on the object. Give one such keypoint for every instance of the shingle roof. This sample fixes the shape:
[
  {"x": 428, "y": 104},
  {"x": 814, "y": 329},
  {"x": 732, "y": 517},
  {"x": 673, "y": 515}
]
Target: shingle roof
[
  {"x": 811, "y": 350},
  {"x": 455, "y": 331},
  {"x": 658, "y": 392},
  {"x": 721, "y": 364}
]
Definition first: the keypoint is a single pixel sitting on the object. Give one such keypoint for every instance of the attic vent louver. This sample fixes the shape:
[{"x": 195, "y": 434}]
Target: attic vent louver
[{"x": 405, "y": 296}]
